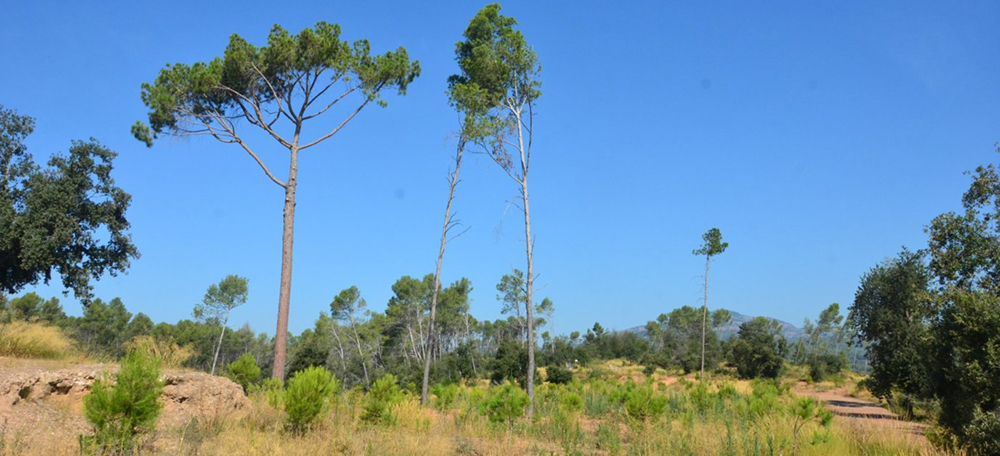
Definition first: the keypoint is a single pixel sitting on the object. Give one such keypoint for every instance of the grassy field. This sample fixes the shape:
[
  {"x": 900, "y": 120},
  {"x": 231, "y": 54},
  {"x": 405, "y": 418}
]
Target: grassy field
[{"x": 610, "y": 409}]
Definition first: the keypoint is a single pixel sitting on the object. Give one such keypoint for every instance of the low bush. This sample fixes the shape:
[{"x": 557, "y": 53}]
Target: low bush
[
  {"x": 558, "y": 375},
  {"x": 381, "y": 401},
  {"x": 124, "y": 412},
  {"x": 445, "y": 396},
  {"x": 642, "y": 402},
  {"x": 308, "y": 396},
  {"x": 982, "y": 435},
  {"x": 19, "y": 339},
  {"x": 506, "y": 404},
  {"x": 244, "y": 371}
]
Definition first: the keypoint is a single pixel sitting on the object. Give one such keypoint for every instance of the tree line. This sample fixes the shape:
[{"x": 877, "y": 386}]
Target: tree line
[{"x": 930, "y": 319}]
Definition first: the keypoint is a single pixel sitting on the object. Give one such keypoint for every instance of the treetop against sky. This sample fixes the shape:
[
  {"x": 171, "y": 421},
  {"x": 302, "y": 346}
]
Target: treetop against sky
[{"x": 817, "y": 139}]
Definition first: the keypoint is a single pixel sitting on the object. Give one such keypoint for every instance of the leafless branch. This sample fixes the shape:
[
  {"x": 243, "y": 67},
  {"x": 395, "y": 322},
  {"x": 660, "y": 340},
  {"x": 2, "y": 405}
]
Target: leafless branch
[{"x": 335, "y": 130}]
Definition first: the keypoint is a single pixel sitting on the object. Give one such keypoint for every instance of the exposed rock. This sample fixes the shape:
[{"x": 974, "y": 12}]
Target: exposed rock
[{"x": 34, "y": 401}]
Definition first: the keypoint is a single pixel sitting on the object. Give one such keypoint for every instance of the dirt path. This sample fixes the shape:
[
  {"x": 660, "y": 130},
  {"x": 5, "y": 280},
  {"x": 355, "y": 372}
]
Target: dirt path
[{"x": 861, "y": 414}]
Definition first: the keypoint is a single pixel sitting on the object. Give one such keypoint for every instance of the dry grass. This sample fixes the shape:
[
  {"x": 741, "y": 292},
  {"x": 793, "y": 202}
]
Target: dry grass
[
  {"x": 167, "y": 351},
  {"x": 722, "y": 429},
  {"x": 33, "y": 340}
]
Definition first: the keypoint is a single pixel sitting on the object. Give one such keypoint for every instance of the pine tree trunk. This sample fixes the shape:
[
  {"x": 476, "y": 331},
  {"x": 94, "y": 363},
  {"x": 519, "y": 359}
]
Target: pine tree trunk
[
  {"x": 528, "y": 302},
  {"x": 704, "y": 320},
  {"x": 432, "y": 335},
  {"x": 285, "y": 293},
  {"x": 219, "y": 345}
]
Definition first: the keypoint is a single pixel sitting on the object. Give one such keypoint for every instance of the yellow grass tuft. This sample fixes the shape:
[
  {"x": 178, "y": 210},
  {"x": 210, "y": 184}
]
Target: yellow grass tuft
[
  {"x": 33, "y": 340},
  {"x": 167, "y": 351}
]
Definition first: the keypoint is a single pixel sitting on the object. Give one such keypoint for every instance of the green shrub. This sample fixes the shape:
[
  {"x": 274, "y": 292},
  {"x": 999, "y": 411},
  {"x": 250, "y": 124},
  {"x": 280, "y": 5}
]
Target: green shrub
[
  {"x": 570, "y": 402},
  {"x": 273, "y": 390},
  {"x": 558, "y": 375},
  {"x": 806, "y": 410},
  {"x": 506, "y": 404},
  {"x": 124, "y": 412},
  {"x": 381, "y": 401},
  {"x": 308, "y": 396},
  {"x": 758, "y": 350},
  {"x": 982, "y": 435},
  {"x": 244, "y": 371},
  {"x": 642, "y": 402},
  {"x": 445, "y": 396}
]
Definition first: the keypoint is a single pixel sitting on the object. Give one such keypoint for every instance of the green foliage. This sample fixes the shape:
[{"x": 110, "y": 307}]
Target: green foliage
[
  {"x": 273, "y": 390},
  {"x": 221, "y": 298},
  {"x": 677, "y": 338},
  {"x": 510, "y": 363},
  {"x": 506, "y": 403},
  {"x": 308, "y": 396},
  {"x": 982, "y": 434},
  {"x": 32, "y": 308},
  {"x": 267, "y": 74},
  {"x": 758, "y": 350},
  {"x": 381, "y": 401},
  {"x": 244, "y": 371},
  {"x": 806, "y": 410},
  {"x": 123, "y": 412},
  {"x": 558, "y": 375},
  {"x": 66, "y": 219},
  {"x": 445, "y": 396},
  {"x": 891, "y": 311},
  {"x": 643, "y": 402},
  {"x": 966, "y": 357},
  {"x": 713, "y": 243}
]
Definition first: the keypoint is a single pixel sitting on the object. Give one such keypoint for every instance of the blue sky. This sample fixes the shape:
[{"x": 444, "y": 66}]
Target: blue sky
[{"x": 819, "y": 139}]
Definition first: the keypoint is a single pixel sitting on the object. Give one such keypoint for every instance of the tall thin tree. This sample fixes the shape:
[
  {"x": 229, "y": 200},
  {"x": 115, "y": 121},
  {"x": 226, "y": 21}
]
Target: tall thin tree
[
  {"x": 288, "y": 80},
  {"x": 218, "y": 304},
  {"x": 499, "y": 72},
  {"x": 449, "y": 223},
  {"x": 713, "y": 246}
]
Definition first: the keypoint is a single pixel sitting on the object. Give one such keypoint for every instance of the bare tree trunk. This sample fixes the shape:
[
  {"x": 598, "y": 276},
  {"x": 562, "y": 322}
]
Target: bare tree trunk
[
  {"x": 219, "y": 345},
  {"x": 357, "y": 340},
  {"x": 704, "y": 320},
  {"x": 340, "y": 349},
  {"x": 285, "y": 294},
  {"x": 528, "y": 302},
  {"x": 431, "y": 335}
]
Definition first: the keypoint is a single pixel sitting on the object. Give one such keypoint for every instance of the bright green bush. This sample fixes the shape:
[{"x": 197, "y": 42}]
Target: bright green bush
[
  {"x": 273, "y": 391},
  {"x": 381, "y": 401},
  {"x": 308, "y": 396},
  {"x": 244, "y": 371},
  {"x": 642, "y": 402},
  {"x": 445, "y": 396},
  {"x": 506, "y": 404},
  {"x": 570, "y": 402},
  {"x": 125, "y": 411}
]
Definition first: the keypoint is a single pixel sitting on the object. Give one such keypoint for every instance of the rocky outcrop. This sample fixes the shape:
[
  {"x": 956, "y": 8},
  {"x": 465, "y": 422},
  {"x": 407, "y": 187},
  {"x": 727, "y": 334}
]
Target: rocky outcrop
[{"x": 33, "y": 400}]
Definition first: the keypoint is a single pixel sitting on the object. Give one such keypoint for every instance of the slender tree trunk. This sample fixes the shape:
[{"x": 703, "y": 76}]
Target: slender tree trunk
[
  {"x": 340, "y": 349},
  {"x": 528, "y": 302},
  {"x": 219, "y": 345},
  {"x": 431, "y": 335},
  {"x": 357, "y": 340},
  {"x": 285, "y": 293},
  {"x": 704, "y": 320}
]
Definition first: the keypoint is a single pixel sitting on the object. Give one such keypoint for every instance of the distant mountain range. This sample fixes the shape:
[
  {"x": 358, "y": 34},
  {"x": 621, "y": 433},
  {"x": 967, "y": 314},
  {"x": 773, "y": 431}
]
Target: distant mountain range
[{"x": 790, "y": 331}]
